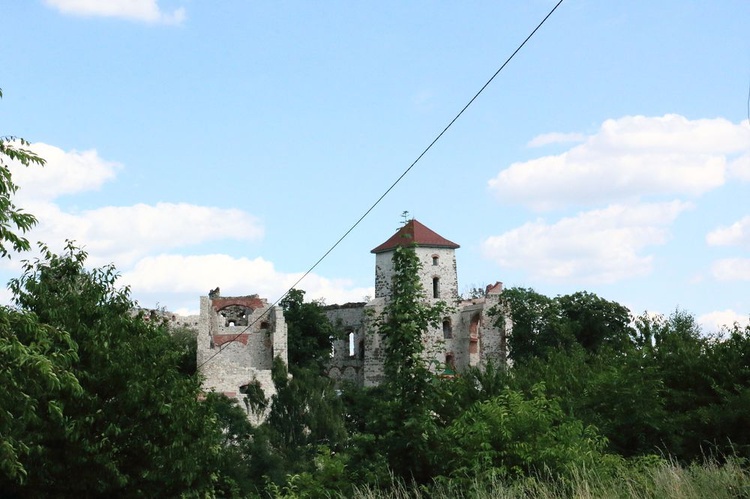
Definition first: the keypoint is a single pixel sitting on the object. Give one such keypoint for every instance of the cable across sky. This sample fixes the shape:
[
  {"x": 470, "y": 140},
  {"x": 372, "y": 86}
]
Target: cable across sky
[{"x": 405, "y": 172}]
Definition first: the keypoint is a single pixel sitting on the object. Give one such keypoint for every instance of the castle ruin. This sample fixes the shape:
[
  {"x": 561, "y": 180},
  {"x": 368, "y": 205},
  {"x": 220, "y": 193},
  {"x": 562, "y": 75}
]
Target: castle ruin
[{"x": 249, "y": 333}]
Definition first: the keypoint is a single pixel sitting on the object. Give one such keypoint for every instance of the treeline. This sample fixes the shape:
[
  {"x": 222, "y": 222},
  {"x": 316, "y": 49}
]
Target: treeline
[{"x": 99, "y": 401}]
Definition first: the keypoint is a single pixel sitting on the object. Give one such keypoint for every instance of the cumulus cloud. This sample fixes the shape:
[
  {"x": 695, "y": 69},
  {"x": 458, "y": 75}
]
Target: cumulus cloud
[
  {"x": 737, "y": 234},
  {"x": 731, "y": 269},
  {"x": 180, "y": 280},
  {"x": 119, "y": 234},
  {"x": 627, "y": 159},
  {"x": 137, "y": 10},
  {"x": 65, "y": 172},
  {"x": 721, "y": 319},
  {"x": 598, "y": 246}
]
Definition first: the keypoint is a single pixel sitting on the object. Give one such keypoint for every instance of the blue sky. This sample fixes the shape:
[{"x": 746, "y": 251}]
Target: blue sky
[{"x": 199, "y": 144}]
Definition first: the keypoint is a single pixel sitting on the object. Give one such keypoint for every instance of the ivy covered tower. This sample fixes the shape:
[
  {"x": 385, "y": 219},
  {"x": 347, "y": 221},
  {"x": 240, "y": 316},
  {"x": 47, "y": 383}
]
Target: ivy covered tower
[
  {"x": 467, "y": 336},
  {"x": 439, "y": 276}
]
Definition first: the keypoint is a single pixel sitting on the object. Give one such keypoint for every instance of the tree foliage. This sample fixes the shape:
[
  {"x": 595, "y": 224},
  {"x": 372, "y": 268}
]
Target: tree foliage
[
  {"x": 542, "y": 324},
  {"x": 512, "y": 435},
  {"x": 407, "y": 422},
  {"x": 136, "y": 425},
  {"x": 36, "y": 377},
  {"x": 12, "y": 218},
  {"x": 309, "y": 333}
]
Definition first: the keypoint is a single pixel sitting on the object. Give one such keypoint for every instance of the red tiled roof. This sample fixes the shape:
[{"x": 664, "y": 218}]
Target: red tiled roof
[{"x": 415, "y": 233}]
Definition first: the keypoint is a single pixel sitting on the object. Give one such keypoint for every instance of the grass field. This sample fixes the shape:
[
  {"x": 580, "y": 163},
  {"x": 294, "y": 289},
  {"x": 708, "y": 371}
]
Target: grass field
[{"x": 663, "y": 479}]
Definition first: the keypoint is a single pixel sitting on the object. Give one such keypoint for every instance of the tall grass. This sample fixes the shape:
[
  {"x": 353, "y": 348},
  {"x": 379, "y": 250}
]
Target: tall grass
[{"x": 660, "y": 479}]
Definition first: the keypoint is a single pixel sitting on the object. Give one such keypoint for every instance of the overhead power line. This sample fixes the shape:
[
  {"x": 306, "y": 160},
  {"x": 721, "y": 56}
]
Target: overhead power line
[{"x": 387, "y": 191}]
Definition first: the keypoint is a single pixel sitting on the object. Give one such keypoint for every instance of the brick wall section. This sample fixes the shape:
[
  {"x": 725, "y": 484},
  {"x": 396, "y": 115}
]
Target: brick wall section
[{"x": 252, "y": 301}]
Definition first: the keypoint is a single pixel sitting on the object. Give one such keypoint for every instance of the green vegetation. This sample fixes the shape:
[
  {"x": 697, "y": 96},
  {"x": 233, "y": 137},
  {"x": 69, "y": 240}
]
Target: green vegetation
[{"x": 98, "y": 401}]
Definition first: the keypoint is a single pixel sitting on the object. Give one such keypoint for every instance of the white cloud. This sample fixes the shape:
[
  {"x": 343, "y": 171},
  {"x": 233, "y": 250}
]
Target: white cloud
[
  {"x": 119, "y": 234},
  {"x": 737, "y": 234},
  {"x": 720, "y": 319},
  {"x": 182, "y": 279},
  {"x": 601, "y": 246},
  {"x": 64, "y": 173},
  {"x": 555, "y": 138},
  {"x": 137, "y": 10},
  {"x": 627, "y": 159},
  {"x": 731, "y": 269},
  {"x": 122, "y": 234}
]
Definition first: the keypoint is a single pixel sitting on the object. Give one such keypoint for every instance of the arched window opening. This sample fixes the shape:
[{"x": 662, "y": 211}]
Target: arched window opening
[
  {"x": 351, "y": 344},
  {"x": 435, "y": 259},
  {"x": 447, "y": 329},
  {"x": 474, "y": 333}
]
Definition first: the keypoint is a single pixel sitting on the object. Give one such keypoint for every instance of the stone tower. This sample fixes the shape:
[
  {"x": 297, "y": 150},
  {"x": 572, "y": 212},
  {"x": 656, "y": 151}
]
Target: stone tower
[
  {"x": 439, "y": 276},
  {"x": 439, "y": 279}
]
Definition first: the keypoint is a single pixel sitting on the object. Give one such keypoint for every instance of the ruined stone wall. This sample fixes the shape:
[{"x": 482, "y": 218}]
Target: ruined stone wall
[
  {"x": 494, "y": 347},
  {"x": 472, "y": 327},
  {"x": 374, "y": 345},
  {"x": 250, "y": 334},
  {"x": 238, "y": 338},
  {"x": 347, "y": 357}
]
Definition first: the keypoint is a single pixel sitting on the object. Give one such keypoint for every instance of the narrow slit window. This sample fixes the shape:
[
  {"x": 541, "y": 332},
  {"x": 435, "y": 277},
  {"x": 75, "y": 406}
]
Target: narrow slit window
[
  {"x": 351, "y": 344},
  {"x": 436, "y": 287}
]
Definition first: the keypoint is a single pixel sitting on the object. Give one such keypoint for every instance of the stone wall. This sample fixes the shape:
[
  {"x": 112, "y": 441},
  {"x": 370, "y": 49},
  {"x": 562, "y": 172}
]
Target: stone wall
[
  {"x": 238, "y": 338},
  {"x": 436, "y": 263},
  {"x": 347, "y": 357}
]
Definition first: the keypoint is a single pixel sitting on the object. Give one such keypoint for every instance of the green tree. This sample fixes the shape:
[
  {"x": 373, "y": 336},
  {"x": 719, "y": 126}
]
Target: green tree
[
  {"x": 542, "y": 324},
  {"x": 407, "y": 424},
  {"x": 595, "y": 322},
  {"x": 309, "y": 333},
  {"x": 706, "y": 385},
  {"x": 35, "y": 380},
  {"x": 184, "y": 340},
  {"x": 137, "y": 427},
  {"x": 512, "y": 435}
]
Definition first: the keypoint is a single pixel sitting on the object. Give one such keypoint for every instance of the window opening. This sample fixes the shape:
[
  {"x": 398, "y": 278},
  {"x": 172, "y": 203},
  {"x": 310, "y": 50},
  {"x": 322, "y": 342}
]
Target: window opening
[
  {"x": 447, "y": 329},
  {"x": 436, "y": 287}
]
